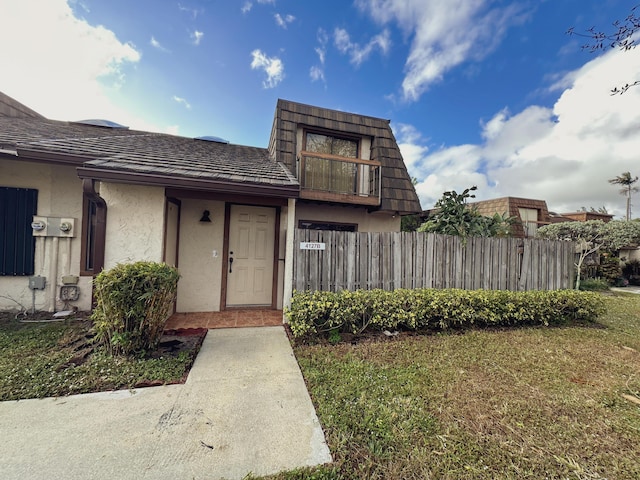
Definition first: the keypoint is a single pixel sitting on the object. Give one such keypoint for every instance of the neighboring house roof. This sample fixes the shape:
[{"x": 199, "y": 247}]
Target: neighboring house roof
[
  {"x": 397, "y": 193},
  {"x": 147, "y": 158},
  {"x": 585, "y": 216},
  {"x": 511, "y": 206},
  {"x": 559, "y": 218}
]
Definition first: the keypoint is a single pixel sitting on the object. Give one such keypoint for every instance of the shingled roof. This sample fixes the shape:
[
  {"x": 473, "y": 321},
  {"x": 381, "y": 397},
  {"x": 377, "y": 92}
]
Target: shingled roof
[
  {"x": 510, "y": 206},
  {"x": 398, "y": 193},
  {"x": 147, "y": 158}
]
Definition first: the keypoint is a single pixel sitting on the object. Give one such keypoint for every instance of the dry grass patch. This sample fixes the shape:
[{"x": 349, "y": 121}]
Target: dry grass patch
[{"x": 561, "y": 411}]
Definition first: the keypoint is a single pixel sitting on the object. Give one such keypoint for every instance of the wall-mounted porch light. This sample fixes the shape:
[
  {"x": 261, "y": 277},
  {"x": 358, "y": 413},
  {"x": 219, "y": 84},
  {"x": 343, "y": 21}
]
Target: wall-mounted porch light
[{"x": 205, "y": 217}]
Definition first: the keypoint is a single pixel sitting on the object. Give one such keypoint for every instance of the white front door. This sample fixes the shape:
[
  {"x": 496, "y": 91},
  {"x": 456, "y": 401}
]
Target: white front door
[{"x": 250, "y": 262}]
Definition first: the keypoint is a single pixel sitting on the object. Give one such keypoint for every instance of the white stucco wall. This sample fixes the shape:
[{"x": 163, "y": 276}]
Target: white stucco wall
[
  {"x": 200, "y": 271},
  {"x": 290, "y": 226},
  {"x": 59, "y": 195},
  {"x": 367, "y": 222},
  {"x": 630, "y": 254},
  {"x": 171, "y": 236},
  {"x": 282, "y": 252},
  {"x": 135, "y": 223}
]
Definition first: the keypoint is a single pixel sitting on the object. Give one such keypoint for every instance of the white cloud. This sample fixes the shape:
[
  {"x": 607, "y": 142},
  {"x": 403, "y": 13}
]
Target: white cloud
[
  {"x": 317, "y": 71},
  {"x": 63, "y": 67},
  {"x": 283, "y": 21},
  {"x": 157, "y": 45},
  {"x": 358, "y": 53},
  {"x": 172, "y": 129},
  {"x": 74, "y": 69},
  {"x": 445, "y": 33},
  {"x": 247, "y": 6},
  {"x": 194, "y": 12},
  {"x": 409, "y": 140},
  {"x": 196, "y": 37},
  {"x": 82, "y": 5},
  {"x": 564, "y": 154},
  {"x": 182, "y": 101},
  {"x": 272, "y": 66},
  {"x": 342, "y": 40},
  {"x": 322, "y": 53}
]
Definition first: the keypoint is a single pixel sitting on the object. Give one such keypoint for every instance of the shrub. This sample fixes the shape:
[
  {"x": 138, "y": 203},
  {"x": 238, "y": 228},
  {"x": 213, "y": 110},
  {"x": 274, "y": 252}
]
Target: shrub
[
  {"x": 609, "y": 268},
  {"x": 133, "y": 302},
  {"x": 594, "y": 284},
  {"x": 316, "y": 313}
]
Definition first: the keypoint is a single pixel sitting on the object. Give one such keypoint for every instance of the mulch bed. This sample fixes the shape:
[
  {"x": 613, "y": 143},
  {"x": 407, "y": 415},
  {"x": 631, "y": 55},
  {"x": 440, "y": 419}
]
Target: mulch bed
[{"x": 173, "y": 342}]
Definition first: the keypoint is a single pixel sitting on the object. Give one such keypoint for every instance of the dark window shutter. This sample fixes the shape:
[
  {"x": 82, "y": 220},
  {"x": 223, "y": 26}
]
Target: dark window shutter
[{"x": 17, "y": 244}]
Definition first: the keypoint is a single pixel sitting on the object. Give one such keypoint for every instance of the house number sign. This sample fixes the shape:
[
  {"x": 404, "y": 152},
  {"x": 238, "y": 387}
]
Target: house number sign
[{"x": 311, "y": 246}]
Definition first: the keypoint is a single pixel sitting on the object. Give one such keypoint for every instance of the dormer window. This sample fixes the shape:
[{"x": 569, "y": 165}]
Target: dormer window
[
  {"x": 330, "y": 169},
  {"x": 341, "y": 147}
]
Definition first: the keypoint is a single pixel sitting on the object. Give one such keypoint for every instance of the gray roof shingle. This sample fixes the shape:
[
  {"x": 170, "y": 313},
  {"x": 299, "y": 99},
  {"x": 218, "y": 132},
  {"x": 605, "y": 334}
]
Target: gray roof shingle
[{"x": 143, "y": 152}]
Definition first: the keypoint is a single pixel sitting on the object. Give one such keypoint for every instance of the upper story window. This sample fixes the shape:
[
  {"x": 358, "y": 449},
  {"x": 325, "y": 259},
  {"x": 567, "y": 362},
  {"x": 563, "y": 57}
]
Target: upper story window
[
  {"x": 342, "y": 147},
  {"x": 330, "y": 169},
  {"x": 529, "y": 218}
]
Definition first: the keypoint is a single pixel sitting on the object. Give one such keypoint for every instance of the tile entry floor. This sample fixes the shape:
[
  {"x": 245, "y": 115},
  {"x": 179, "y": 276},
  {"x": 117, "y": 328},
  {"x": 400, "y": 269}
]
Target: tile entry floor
[{"x": 225, "y": 319}]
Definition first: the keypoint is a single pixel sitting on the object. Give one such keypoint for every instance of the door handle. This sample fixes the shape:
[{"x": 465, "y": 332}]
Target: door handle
[{"x": 230, "y": 262}]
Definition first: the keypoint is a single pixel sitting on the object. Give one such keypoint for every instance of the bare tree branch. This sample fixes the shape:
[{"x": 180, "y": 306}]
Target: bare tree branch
[{"x": 621, "y": 37}]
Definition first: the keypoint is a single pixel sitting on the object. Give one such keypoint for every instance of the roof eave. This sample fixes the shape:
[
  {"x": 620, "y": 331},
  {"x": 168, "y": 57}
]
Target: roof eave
[{"x": 136, "y": 178}]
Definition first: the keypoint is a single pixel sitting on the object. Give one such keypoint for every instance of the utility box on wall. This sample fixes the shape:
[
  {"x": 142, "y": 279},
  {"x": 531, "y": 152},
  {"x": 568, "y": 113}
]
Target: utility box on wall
[
  {"x": 53, "y": 226},
  {"x": 37, "y": 282}
]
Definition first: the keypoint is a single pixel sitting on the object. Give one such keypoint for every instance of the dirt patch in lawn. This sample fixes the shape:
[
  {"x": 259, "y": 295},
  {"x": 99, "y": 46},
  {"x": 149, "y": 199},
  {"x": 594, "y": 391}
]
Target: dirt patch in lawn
[{"x": 79, "y": 340}]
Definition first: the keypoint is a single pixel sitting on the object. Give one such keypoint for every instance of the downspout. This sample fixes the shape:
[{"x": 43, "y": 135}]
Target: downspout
[
  {"x": 53, "y": 273},
  {"x": 88, "y": 188}
]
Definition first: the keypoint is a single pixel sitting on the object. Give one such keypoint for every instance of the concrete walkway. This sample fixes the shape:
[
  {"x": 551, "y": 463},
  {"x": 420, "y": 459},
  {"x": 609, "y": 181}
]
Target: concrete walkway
[
  {"x": 244, "y": 408},
  {"x": 629, "y": 289}
]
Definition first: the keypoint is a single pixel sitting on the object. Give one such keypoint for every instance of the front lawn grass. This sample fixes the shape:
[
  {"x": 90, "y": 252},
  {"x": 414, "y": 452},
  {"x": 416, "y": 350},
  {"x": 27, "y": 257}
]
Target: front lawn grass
[
  {"x": 510, "y": 404},
  {"x": 57, "y": 359}
]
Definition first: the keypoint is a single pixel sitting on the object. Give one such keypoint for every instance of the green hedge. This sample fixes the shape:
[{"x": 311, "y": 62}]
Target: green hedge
[
  {"x": 133, "y": 303},
  {"x": 313, "y": 313}
]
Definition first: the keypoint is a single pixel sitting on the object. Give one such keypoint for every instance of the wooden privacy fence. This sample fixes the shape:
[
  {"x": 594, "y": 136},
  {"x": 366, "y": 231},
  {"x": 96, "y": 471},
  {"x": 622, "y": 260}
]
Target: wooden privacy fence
[{"x": 334, "y": 261}]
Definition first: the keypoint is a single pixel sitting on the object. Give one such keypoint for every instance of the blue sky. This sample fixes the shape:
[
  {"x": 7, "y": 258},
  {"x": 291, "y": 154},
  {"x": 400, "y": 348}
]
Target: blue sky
[{"x": 492, "y": 93}]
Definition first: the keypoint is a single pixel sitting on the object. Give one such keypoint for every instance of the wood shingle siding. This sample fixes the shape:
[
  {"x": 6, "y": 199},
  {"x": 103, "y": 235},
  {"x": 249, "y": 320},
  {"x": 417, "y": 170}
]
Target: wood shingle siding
[
  {"x": 398, "y": 194},
  {"x": 511, "y": 206}
]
